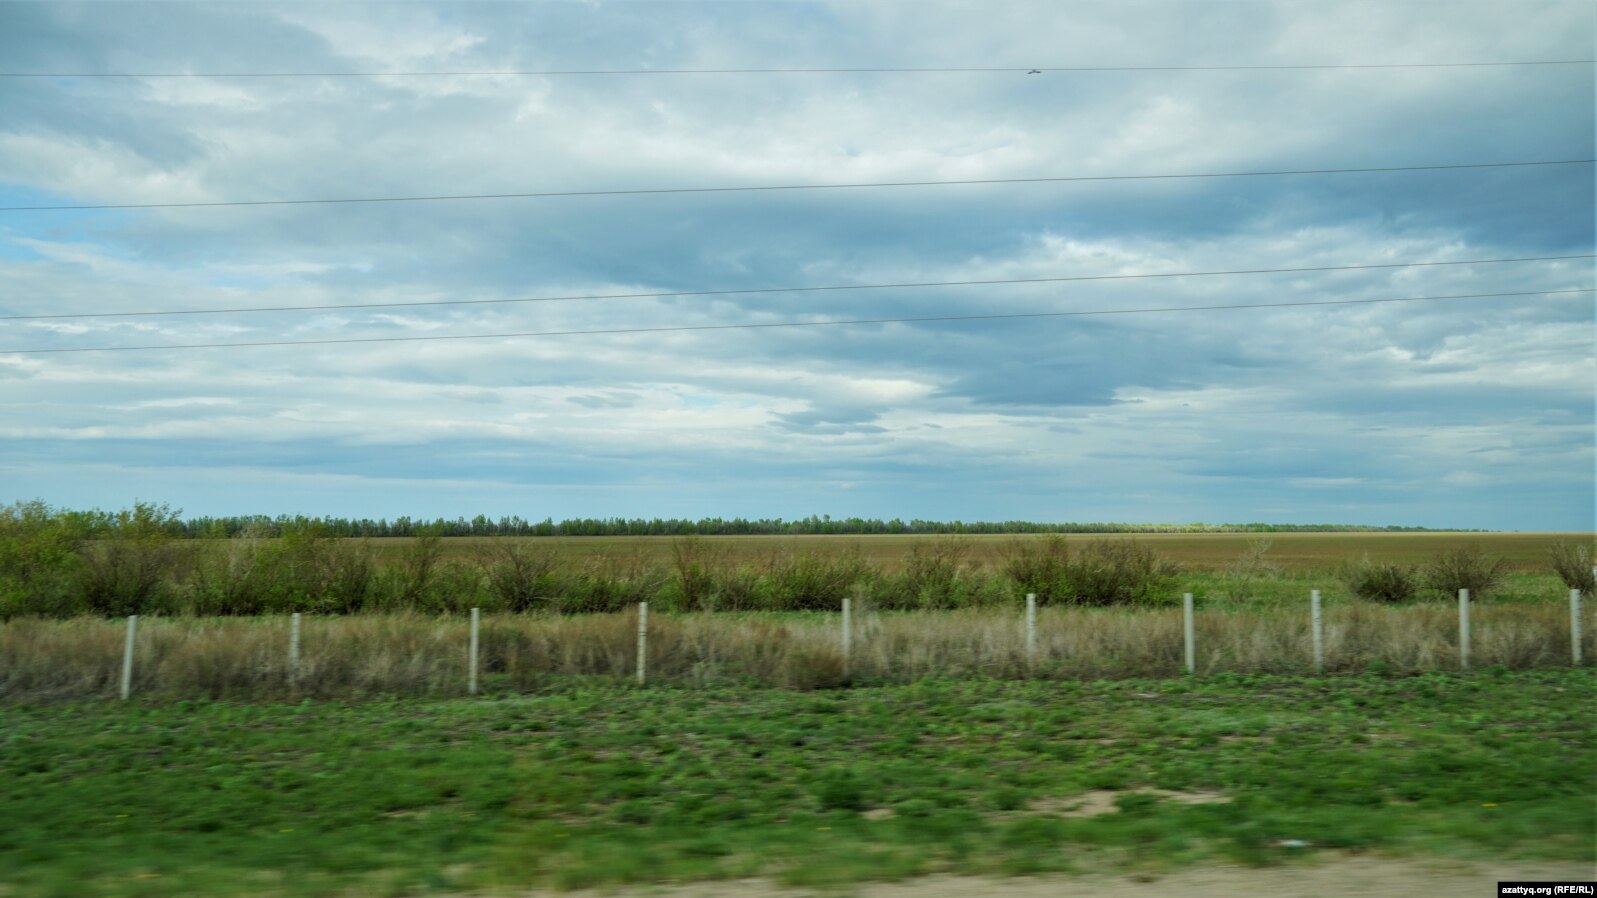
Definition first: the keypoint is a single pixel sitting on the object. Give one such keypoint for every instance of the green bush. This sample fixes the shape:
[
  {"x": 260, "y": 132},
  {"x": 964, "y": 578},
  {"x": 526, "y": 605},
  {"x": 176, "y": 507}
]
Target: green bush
[
  {"x": 38, "y": 564},
  {"x": 1466, "y": 567},
  {"x": 126, "y": 566},
  {"x": 1042, "y": 568},
  {"x": 414, "y": 577},
  {"x": 234, "y": 576},
  {"x": 610, "y": 584},
  {"x": 812, "y": 581},
  {"x": 935, "y": 576},
  {"x": 1380, "y": 581},
  {"x": 695, "y": 568},
  {"x": 1119, "y": 572}
]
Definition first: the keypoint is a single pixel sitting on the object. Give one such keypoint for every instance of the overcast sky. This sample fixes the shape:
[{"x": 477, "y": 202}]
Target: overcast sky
[{"x": 1452, "y": 413}]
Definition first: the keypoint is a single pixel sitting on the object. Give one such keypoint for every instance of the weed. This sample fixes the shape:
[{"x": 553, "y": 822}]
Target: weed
[{"x": 1242, "y": 575}]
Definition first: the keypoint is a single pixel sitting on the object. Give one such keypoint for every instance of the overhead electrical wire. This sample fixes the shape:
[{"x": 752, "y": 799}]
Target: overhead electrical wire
[
  {"x": 814, "y": 71},
  {"x": 781, "y": 324},
  {"x": 794, "y": 187},
  {"x": 817, "y": 289}
]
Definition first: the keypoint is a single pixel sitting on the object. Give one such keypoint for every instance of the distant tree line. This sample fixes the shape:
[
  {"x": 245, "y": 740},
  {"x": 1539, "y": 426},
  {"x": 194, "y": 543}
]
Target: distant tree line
[{"x": 822, "y": 525}]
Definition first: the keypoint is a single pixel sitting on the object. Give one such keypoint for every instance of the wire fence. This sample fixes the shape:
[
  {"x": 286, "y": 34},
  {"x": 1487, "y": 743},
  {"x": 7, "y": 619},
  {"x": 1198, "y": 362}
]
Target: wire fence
[{"x": 417, "y": 655}]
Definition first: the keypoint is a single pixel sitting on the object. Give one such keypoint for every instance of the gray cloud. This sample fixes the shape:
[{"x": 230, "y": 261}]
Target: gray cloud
[{"x": 1466, "y": 413}]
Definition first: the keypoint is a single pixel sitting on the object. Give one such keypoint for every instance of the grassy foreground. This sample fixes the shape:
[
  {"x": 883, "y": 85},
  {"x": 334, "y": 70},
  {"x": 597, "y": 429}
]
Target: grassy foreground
[{"x": 604, "y": 785}]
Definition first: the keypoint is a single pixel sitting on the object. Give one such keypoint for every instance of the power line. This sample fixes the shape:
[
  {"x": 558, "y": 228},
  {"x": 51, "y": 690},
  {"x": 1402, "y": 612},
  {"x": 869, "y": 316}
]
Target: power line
[
  {"x": 668, "y": 190},
  {"x": 780, "y": 324},
  {"x": 818, "y": 289},
  {"x": 813, "y": 71}
]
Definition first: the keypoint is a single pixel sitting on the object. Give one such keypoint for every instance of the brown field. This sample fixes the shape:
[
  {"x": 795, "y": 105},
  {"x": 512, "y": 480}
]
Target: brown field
[{"x": 1292, "y": 552}]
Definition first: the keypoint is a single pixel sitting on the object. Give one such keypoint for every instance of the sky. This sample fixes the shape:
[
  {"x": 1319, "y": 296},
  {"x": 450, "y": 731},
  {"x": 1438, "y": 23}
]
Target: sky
[{"x": 1461, "y": 413}]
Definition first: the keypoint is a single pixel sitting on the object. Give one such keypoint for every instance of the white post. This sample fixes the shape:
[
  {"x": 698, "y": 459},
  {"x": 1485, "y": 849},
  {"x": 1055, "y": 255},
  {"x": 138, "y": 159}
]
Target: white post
[
  {"x": 1463, "y": 629},
  {"x": 293, "y": 648},
  {"x": 127, "y": 657},
  {"x": 471, "y": 680},
  {"x": 1315, "y": 624},
  {"x": 1031, "y": 631},
  {"x": 847, "y": 632},
  {"x": 1574, "y": 626},
  {"x": 643, "y": 639},
  {"x": 1192, "y": 654}
]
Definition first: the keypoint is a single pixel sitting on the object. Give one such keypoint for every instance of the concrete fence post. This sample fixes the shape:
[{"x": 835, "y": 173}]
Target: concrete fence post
[
  {"x": 1463, "y": 629},
  {"x": 1316, "y": 625},
  {"x": 1187, "y": 628},
  {"x": 1574, "y": 626},
  {"x": 476, "y": 643},
  {"x": 643, "y": 641},
  {"x": 1031, "y": 631},
  {"x": 848, "y": 632},
  {"x": 293, "y": 648},
  {"x": 127, "y": 656}
]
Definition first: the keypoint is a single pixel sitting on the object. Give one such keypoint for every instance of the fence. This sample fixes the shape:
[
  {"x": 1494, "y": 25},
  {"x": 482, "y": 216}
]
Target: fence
[{"x": 407, "y": 654}]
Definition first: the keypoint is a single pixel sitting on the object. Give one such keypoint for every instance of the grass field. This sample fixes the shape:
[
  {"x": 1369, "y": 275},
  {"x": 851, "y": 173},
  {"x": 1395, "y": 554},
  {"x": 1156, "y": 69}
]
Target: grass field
[{"x": 589, "y": 786}]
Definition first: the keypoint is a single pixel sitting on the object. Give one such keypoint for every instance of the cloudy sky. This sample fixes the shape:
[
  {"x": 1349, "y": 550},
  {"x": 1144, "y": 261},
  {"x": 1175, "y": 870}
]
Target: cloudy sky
[{"x": 1461, "y": 412}]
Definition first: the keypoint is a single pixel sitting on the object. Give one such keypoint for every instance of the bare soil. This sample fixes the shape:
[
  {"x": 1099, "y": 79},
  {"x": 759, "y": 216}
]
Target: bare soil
[{"x": 1360, "y": 877}]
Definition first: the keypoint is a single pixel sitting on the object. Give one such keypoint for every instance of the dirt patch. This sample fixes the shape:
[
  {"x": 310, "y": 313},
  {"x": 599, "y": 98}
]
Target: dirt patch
[
  {"x": 1361, "y": 877},
  {"x": 1102, "y": 801}
]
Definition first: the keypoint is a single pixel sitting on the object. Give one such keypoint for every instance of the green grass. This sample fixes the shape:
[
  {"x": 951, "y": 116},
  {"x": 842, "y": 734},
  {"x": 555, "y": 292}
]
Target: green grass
[{"x": 592, "y": 786}]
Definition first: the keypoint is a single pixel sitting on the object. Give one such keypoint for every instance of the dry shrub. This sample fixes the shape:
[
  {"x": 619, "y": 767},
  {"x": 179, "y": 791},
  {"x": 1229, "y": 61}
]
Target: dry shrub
[
  {"x": 390, "y": 654},
  {"x": 1572, "y": 562},
  {"x": 520, "y": 577},
  {"x": 1250, "y": 565},
  {"x": 1465, "y": 567},
  {"x": 806, "y": 667},
  {"x": 50, "y": 660},
  {"x": 1040, "y": 568}
]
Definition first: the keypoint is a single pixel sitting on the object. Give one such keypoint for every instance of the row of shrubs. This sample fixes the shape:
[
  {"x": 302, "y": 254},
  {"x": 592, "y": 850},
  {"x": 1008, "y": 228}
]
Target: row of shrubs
[
  {"x": 307, "y": 571},
  {"x": 134, "y": 565},
  {"x": 1464, "y": 567}
]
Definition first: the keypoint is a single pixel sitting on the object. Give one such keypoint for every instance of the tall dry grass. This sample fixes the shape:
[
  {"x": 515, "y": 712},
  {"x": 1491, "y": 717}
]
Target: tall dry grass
[{"x": 408, "y": 654}]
